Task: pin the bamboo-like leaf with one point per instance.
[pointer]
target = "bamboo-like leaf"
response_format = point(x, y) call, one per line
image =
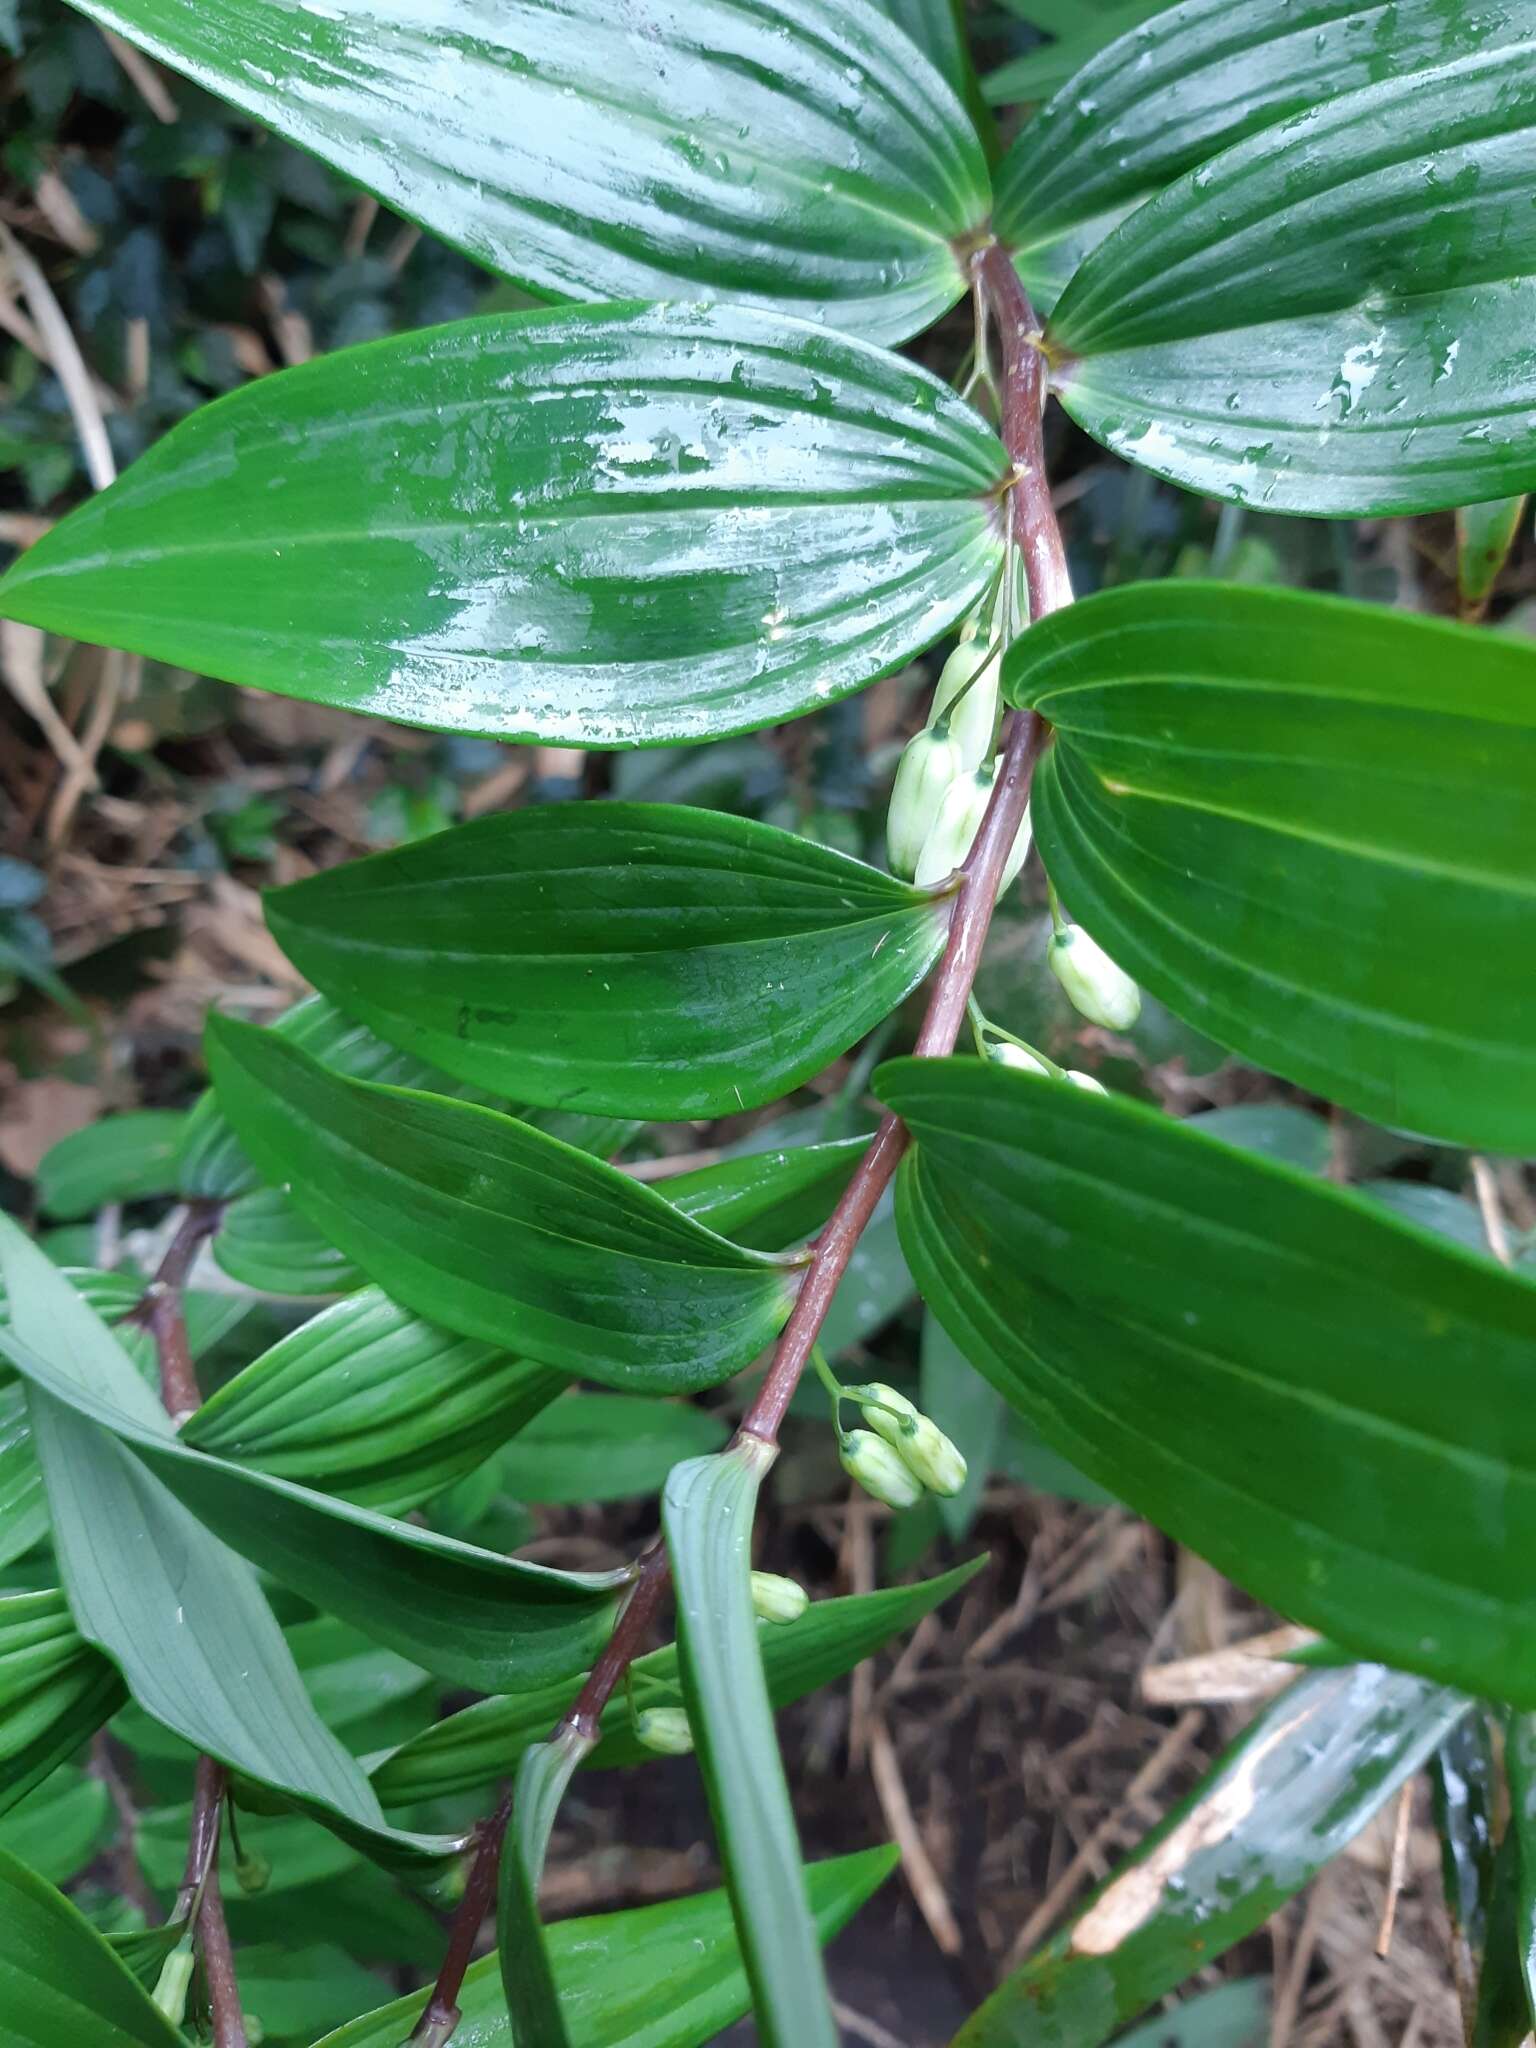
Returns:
point(371, 1402)
point(612, 1969)
point(181, 1617)
point(706, 1514)
point(663, 524)
point(1164, 97)
point(1330, 316)
point(60, 1983)
point(1520, 1879)
point(1281, 1803)
point(596, 1447)
point(118, 1160)
point(1466, 1794)
point(492, 1229)
point(527, 1976)
point(55, 1690)
point(768, 1199)
point(1484, 536)
point(1253, 1359)
point(652, 959)
point(466, 1614)
point(1305, 826)
point(472, 1749)
point(60, 1826)
point(1077, 36)
point(789, 152)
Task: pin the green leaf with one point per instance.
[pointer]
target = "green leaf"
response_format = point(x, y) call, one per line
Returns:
point(608, 1969)
point(1331, 316)
point(469, 1615)
point(472, 1749)
point(487, 1226)
point(1304, 825)
point(527, 1976)
point(266, 1242)
point(1254, 1360)
point(1484, 536)
point(55, 1690)
point(116, 1161)
point(1159, 100)
point(1041, 72)
point(297, 1991)
point(706, 1516)
point(60, 1984)
point(1232, 2015)
point(644, 958)
point(791, 153)
point(970, 1413)
point(768, 1199)
point(368, 1401)
point(1520, 1904)
point(58, 1828)
point(1503, 2013)
point(652, 524)
point(1275, 1130)
point(1283, 1802)
point(596, 1447)
point(181, 1617)
point(1466, 1797)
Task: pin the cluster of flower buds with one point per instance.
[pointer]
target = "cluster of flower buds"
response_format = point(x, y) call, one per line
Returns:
point(902, 1454)
point(1008, 1055)
point(944, 781)
point(1104, 993)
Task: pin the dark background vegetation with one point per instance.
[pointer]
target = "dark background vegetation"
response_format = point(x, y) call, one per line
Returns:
point(1023, 1738)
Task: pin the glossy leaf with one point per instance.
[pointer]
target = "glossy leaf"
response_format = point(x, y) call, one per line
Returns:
point(1484, 536)
point(1463, 1775)
point(472, 1749)
point(118, 1160)
point(608, 1969)
point(652, 523)
point(792, 152)
point(970, 1413)
point(1503, 2014)
point(60, 1984)
point(1254, 1360)
point(527, 1976)
point(55, 1690)
point(266, 1242)
point(1167, 94)
point(1282, 1803)
point(1305, 826)
point(467, 1614)
point(1330, 316)
point(770, 1199)
point(706, 1516)
point(1520, 1881)
point(181, 1617)
point(1230, 2015)
point(1077, 35)
point(597, 1447)
point(490, 1228)
point(646, 958)
point(58, 1828)
point(368, 1401)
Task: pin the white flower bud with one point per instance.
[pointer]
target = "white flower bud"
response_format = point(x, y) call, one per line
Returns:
point(954, 826)
point(971, 707)
point(664, 1729)
point(1016, 1056)
point(870, 1460)
point(929, 764)
point(891, 1427)
point(1103, 992)
point(776, 1599)
point(933, 1458)
point(173, 1983)
point(1082, 1080)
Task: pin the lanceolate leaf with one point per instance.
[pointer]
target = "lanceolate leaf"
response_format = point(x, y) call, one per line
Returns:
point(1484, 536)
point(60, 1984)
point(792, 152)
point(1520, 1767)
point(610, 527)
point(768, 1199)
point(181, 1617)
point(706, 1513)
point(652, 959)
point(1331, 316)
point(467, 1614)
point(474, 1748)
point(368, 1401)
point(1305, 826)
point(1164, 96)
point(612, 1970)
point(55, 1690)
point(1283, 1802)
point(595, 1447)
point(59, 1828)
point(494, 1230)
point(265, 1241)
point(1254, 1360)
point(1077, 35)
point(527, 1978)
point(114, 1161)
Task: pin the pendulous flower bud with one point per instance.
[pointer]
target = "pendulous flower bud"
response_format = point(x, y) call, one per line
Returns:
point(929, 764)
point(879, 1470)
point(174, 1982)
point(954, 826)
point(253, 1872)
point(916, 1438)
point(1082, 1080)
point(1016, 1056)
point(777, 1599)
point(1103, 992)
point(969, 705)
point(664, 1729)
